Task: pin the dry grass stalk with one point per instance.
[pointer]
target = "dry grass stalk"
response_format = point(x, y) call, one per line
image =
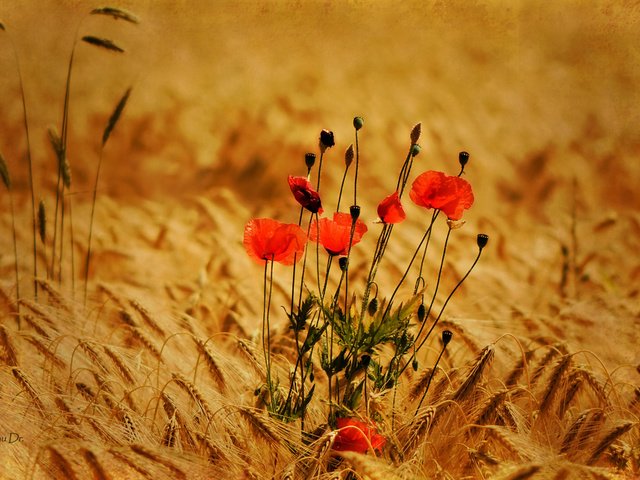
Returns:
point(554, 383)
point(8, 352)
point(156, 457)
point(608, 439)
point(121, 366)
point(26, 385)
point(97, 470)
point(212, 364)
point(102, 43)
point(483, 360)
point(146, 316)
point(60, 464)
point(195, 394)
point(248, 349)
point(116, 13)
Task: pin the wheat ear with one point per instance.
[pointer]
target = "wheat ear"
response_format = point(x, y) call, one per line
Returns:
point(608, 439)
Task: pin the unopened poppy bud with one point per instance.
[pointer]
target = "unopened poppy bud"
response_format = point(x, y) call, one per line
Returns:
point(310, 159)
point(415, 133)
point(355, 212)
point(463, 158)
point(415, 149)
point(326, 140)
point(482, 240)
point(358, 122)
point(344, 263)
point(373, 307)
point(414, 364)
point(312, 377)
point(365, 360)
point(422, 311)
point(348, 156)
point(446, 337)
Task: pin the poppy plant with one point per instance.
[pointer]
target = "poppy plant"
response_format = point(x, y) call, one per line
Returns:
point(268, 239)
point(356, 436)
point(390, 209)
point(305, 195)
point(335, 234)
point(451, 195)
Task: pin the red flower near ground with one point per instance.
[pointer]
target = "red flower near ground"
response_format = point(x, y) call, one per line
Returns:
point(335, 234)
point(356, 436)
point(390, 209)
point(305, 195)
point(267, 239)
point(451, 195)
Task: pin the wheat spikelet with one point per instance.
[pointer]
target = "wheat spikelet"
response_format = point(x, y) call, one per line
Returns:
point(369, 467)
point(93, 355)
point(562, 474)
point(411, 434)
point(170, 433)
point(262, 425)
point(61, 464)
point(593, 382)
point(504, 438)
point(122, 368)
point(128, 461)
point(4, 172)
point(289, 473)
point(488, 409)
point(102, 43)
point(195, 394)
point(544, 361)
point(117, 112)
point(574, 385)
point(41, 313)
point(8, 352)
point(54, 296)
point(248, 349)
point(443, 384)
point(111, 295)
point(24, 382)
point(320, 454)
point(554, 383)
point(608, 439)
point(214, 453)
point(127, 318)
point(212, 363)
point(31, 321)
point(420, 384)
point(523, 472)
point(172, 411)
point(139, 334)
point(519, 368)
point(44, 350)
point(106, 436)
point(483, 360)
point(572, 432)
point(116, 14)
point(146, 316)
point(589, 428)
point(98, 472)
point(157, 458)
point(69, 416)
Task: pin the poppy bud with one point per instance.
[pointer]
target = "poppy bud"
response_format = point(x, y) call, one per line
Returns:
point(358, 122)
point(355, 212)
point(310, 159)
point(415, 133)
point(344, 263)
point(326, 139)
point(446, 337)
point(414, 364)
point(482, 240)
point(312, 377)
point(463, 158)
point(415, 149)
point(373, 307)
point(422, 311)
point(348, 156)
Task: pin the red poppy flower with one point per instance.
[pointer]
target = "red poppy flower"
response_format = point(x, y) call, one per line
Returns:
point(267, 239)
point(451, 195)
point(305, 194)
point(390, 209)
point(335, 234)
point(356, 436)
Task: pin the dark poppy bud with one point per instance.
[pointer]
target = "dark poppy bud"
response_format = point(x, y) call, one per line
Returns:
point(326, 139)
point(365, 360)
point(373, 307)
point(414, 364)
point(358, 122)
point(343, 262)
point(310, 159)
point(463, 158)
point(482, 240)
point(446, 337)
point(312, 377)
point(348, 156)
point(422, 311)
point(415, 149)
point(355, 212)
point(415, 133)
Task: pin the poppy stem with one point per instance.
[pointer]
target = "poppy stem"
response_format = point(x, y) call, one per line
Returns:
point(266, 327)
point(424, 253)
point(355, 180)
point(344, 177)
point(433, 371)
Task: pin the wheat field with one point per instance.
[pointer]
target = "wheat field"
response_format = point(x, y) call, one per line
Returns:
point(159, 373)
